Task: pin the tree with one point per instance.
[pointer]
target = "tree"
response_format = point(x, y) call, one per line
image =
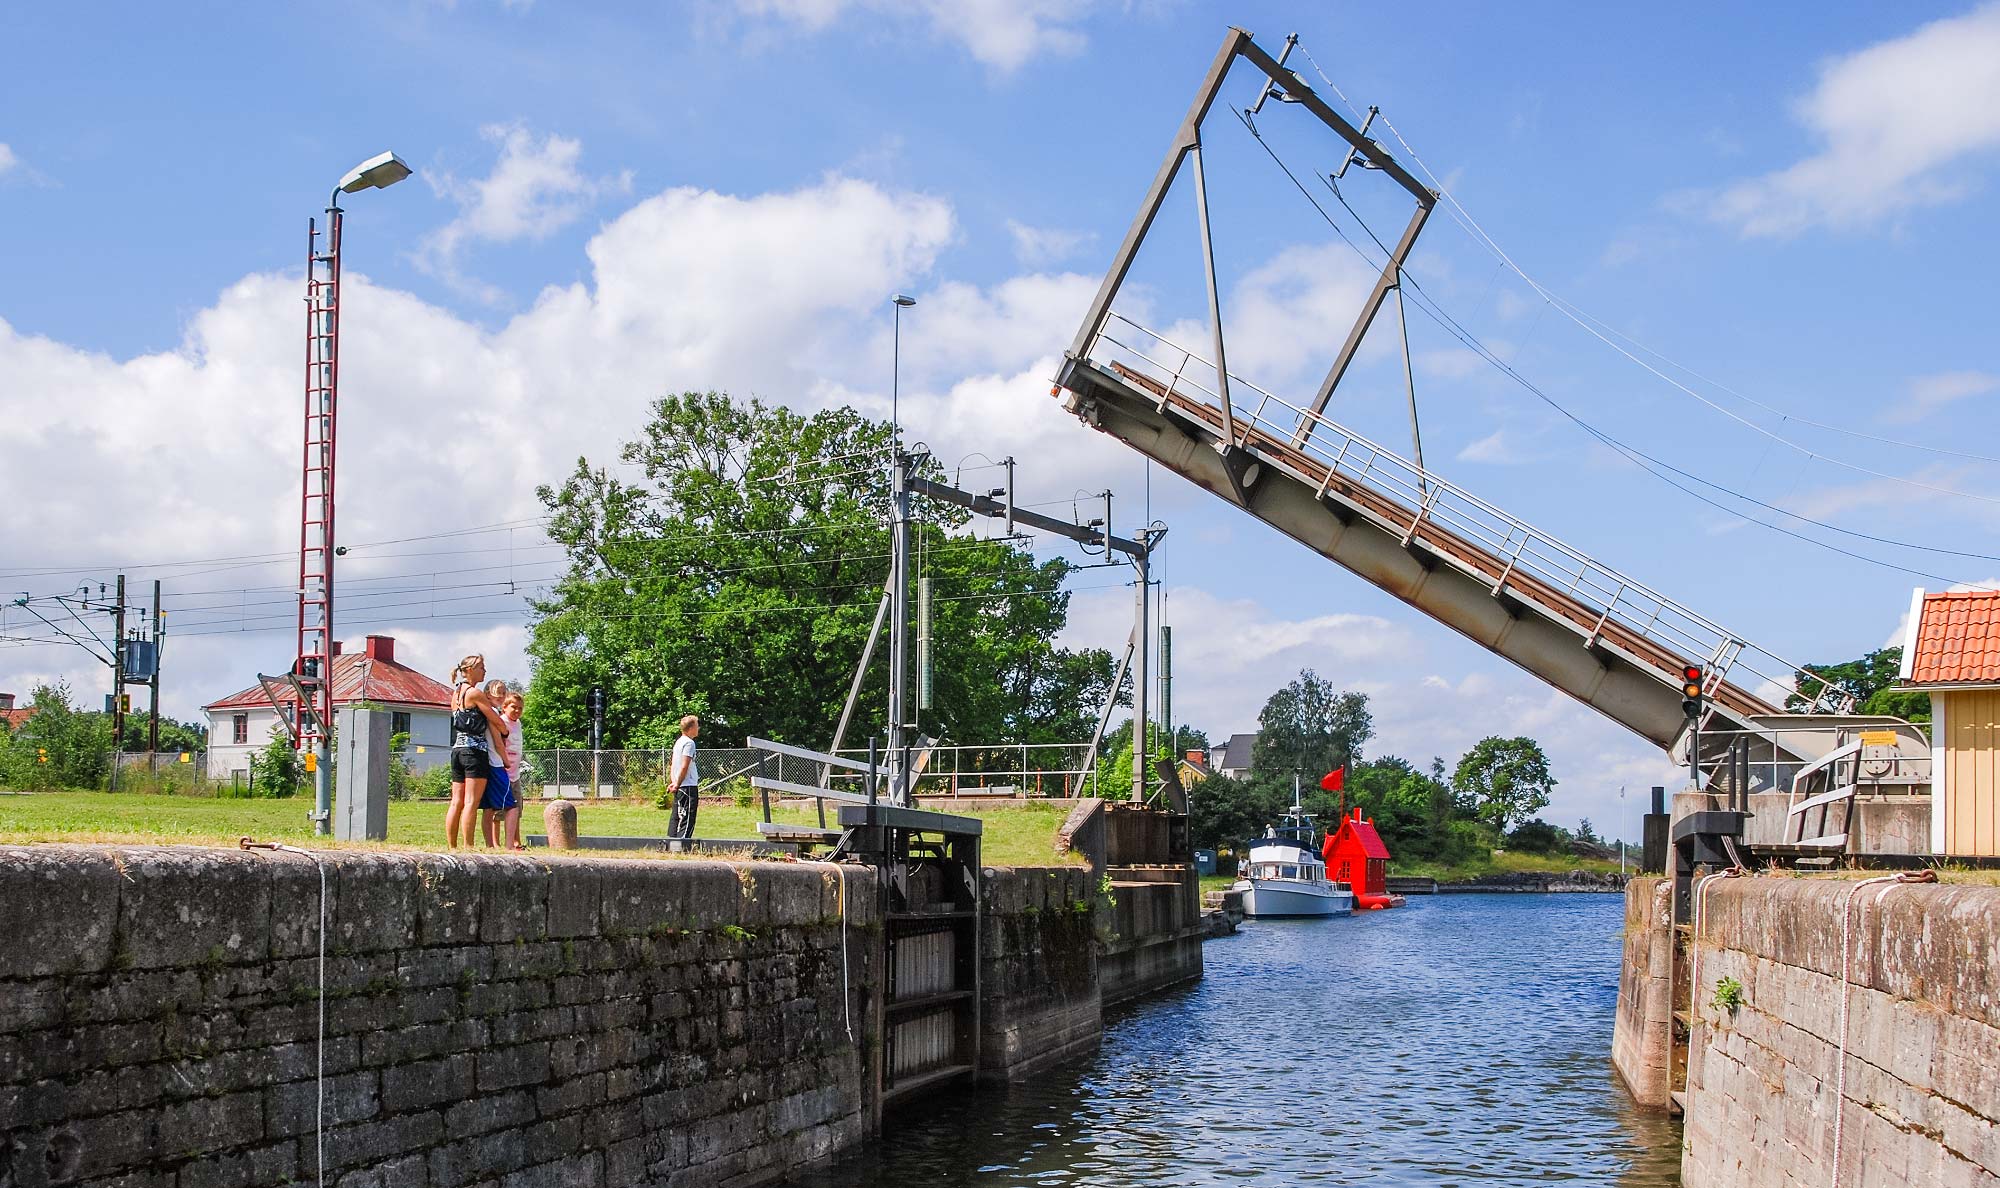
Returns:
point(737, 577)
point(59, 745)
point(1587, 833)
point(1225, 812)
point(174, 735)
point(1309, 727)
point(1870, 680)
point(1507, 777)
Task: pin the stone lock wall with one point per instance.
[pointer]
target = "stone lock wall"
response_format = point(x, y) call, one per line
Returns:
point(489, 1020)
point(1038, 969)
point(1642, 1036)
point(1921, 1101)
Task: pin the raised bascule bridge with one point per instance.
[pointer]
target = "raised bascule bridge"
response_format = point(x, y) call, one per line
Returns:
point(1602, 637)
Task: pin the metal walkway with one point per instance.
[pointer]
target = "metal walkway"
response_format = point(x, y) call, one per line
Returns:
point(1605, 639)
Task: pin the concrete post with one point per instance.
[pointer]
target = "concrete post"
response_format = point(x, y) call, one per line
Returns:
point(361, 778)
point(559, 820)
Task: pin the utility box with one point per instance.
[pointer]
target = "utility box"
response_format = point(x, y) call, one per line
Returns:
point(361, 775)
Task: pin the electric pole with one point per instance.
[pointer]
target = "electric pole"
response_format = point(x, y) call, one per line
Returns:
point(118, 683)
point(153, 723)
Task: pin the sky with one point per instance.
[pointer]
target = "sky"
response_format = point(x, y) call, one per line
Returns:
point(1755, 245)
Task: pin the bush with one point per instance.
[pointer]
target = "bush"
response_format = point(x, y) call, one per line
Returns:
point(434, 784)
point(1539, 837)
point(402, 782)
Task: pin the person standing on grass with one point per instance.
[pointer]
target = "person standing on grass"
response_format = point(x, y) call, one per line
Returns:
point(510, 709)
point(473, 717)
point(499, 797)
point(685, 781)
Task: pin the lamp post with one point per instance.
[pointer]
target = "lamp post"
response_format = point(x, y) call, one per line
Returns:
point(901, 302)
point(314, 665)
point(899, 564)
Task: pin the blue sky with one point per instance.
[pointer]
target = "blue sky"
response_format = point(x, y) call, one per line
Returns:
point(1795, 202)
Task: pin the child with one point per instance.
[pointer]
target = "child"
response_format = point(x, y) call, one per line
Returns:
point(511, 710)
point(499, 796)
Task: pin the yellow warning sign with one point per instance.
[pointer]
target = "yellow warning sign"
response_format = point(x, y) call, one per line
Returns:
point(1878, 738)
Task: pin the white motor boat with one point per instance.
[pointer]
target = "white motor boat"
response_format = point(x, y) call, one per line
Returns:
point(1285, 875)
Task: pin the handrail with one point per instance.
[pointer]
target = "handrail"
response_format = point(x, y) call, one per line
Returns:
point(1632, 604)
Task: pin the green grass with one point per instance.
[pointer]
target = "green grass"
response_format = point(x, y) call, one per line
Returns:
point(1013, 836)
point(1504, 862)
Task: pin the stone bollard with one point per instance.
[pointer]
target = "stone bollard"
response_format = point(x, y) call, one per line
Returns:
point(559, 818)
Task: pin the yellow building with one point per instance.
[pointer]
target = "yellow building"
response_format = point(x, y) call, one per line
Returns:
point(1952, 652)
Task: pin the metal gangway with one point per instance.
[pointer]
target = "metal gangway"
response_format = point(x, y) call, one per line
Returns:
point(1606, 639)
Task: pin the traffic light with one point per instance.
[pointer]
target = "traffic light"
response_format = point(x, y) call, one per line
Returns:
point(1691, 690)
point(124, 703)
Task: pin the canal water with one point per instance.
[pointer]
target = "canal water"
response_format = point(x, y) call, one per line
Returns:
point(1462, 1040)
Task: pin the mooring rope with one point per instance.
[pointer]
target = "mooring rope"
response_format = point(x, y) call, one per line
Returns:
point(1840, 1068)
point(319, 1108)
point(1694, 940)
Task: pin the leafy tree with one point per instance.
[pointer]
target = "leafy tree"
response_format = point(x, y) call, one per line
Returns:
point(1508, 778)
point(1870, 680)
point(1309, 727)
point(401, 782)
point(174, 735)
point(737, 576)
point(1226, 812)
point(1585, 832)
point(77, 745)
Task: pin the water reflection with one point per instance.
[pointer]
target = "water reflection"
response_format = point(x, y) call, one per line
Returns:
point(1463, 1040)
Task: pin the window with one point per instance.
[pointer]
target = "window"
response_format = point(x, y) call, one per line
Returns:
point(399, 722)
point(239, 729)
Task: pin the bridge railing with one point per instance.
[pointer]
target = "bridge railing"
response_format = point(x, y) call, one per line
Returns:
point(1519, 547)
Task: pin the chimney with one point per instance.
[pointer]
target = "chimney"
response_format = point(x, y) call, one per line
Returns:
point(6, 701)
point(336, 647)
point(1196, 757)
point(383, 648)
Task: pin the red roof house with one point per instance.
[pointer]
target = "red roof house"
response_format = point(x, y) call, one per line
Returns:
point(1951, 650)
point(242, 722)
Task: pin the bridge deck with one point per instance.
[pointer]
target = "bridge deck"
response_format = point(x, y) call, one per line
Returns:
point(1429, 534)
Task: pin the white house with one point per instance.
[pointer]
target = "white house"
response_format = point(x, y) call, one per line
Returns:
point(1232, 758)
point(240, 725)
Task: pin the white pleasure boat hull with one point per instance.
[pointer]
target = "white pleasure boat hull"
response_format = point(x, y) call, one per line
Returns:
point(1283, 897)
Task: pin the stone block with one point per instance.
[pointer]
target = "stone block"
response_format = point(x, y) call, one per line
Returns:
point(62, 914)
point(193, 907)
point(375, 903)
point(450, 889)
point(205, 1124)
point(505, 1068)
point(369, 1143)
point(489, 1112)
point(575, 891)
point(427, 1083)
point(293, 1109)
point(514, 900)
point(252, 1168)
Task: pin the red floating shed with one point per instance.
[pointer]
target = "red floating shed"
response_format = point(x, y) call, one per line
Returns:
point(1356, 856)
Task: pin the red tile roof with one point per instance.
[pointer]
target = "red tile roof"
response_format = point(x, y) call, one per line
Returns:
point(1957, 639)
point(16, 718)
point(357, 676)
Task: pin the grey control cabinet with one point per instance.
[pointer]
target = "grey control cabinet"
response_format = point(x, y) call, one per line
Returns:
point(361, 775)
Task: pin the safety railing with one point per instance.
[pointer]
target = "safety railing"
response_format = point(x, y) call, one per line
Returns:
point(1516, 546)
point(1002, 769)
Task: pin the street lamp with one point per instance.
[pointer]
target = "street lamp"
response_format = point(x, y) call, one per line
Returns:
point(901, 303)
point(316, 536)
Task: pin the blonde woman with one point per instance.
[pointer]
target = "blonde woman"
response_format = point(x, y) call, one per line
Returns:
point(501, 802)
point(474, 718)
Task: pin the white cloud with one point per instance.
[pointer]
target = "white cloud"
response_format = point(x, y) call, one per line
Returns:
point(1894, 120)
point(1002, 34)
point(1502, 447)
point(534, 190)
point(1039, 247)
point(8, 161)
point(1928, 393)
point(445, 424)
point(1449, 363)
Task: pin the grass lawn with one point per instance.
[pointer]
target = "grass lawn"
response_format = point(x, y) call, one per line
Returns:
point(1023, 836)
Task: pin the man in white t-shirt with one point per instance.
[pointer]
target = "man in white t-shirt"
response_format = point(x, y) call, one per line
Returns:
point(685, 780)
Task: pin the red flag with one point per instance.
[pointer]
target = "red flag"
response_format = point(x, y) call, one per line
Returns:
point(1334, 780)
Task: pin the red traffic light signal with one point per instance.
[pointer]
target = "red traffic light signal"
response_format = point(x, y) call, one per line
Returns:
point(1691, 681)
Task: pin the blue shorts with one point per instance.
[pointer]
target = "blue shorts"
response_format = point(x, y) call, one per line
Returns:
point(499, 792)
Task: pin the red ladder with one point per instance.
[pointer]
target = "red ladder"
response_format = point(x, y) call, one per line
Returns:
point(314, 665)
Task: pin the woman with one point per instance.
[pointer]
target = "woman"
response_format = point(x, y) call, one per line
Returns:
point(473, 719)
